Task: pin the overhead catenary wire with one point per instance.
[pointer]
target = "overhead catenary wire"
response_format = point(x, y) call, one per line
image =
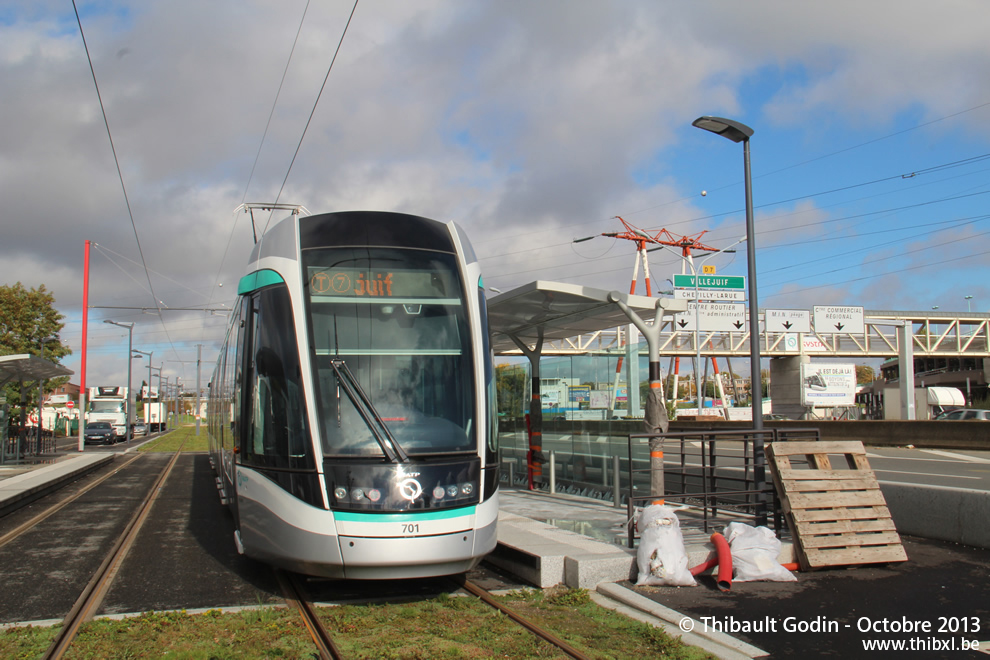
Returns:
point(763, 232)
point(312, 112)
point(793, 166)
point(120, 175)
point(261, 145)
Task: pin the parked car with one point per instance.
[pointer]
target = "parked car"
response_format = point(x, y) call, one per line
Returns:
point(965, 413)
point(100, 433)
point(139, 429)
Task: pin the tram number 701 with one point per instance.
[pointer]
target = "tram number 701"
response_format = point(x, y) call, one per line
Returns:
point(410, 528)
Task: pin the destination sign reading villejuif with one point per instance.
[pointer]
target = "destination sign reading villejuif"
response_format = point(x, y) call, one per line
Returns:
point(710, 282)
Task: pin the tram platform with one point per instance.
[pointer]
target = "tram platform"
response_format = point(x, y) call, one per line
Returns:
point(581, 542)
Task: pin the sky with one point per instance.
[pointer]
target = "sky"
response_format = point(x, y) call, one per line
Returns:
point(530, 123)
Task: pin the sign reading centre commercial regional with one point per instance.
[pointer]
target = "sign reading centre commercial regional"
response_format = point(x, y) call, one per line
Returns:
point(847, 320)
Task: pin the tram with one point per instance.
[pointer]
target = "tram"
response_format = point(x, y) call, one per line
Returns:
point(351, 412)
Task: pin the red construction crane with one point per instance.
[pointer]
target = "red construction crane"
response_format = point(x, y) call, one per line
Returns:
point(662, 237)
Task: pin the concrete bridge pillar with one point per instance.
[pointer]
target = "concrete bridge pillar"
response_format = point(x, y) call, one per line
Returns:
point(785, 386)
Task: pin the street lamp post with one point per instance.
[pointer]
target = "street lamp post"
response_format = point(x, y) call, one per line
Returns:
point(148, 353)
point(130, 394)
point(969, 304)
point(738, 132)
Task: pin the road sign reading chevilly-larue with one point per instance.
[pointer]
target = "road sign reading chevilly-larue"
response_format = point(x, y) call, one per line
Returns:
point(710, 282)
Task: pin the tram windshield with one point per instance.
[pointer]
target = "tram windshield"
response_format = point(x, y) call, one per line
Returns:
point(397, 320)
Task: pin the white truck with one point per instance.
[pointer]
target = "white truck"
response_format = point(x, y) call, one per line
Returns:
point(928, 401)
point(154, 416)
point(154, 411)
point(108, 403)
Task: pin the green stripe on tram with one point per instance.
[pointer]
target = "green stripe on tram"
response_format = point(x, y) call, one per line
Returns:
point(258, 279)
point(403, 517)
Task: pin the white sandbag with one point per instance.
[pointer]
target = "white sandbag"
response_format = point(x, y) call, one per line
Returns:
point(661, 556)
point(754, 554)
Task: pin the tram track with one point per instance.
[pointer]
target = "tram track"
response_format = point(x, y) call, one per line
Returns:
point(58, 506)
point(92, 595)
point(540, 632)
point(297, 598)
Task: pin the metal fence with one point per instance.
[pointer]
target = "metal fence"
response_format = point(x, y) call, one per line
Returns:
point(719, 472)
point(715, 471)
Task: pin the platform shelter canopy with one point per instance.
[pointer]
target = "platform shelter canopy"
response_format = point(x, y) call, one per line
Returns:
point(29, 367)
point(558, 310)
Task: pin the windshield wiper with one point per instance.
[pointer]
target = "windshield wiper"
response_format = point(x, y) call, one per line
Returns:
point(352, 388)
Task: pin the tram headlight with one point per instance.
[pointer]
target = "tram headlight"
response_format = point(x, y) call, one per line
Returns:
point(340, 492)
point(357, 494)
point(439, 492)
point(467, 489)
point(452, 491)
point(374, 494)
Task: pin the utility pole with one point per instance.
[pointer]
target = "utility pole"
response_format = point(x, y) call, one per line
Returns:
point(199, 364)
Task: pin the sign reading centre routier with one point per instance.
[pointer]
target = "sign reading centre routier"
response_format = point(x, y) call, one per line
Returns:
point(710, 282)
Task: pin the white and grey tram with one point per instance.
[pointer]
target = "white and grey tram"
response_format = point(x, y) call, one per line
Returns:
point(352, 414)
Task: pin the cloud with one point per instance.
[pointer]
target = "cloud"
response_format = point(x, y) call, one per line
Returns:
point(528, 123)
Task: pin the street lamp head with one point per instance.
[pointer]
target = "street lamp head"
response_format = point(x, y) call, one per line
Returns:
point(727, 128)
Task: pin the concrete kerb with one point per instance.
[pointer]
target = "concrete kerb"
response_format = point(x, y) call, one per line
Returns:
point(957, 515)
point(688, 629)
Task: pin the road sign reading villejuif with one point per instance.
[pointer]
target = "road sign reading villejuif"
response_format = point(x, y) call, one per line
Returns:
point(710, 282)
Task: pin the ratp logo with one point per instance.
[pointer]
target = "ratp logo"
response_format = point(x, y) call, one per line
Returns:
point(410, 489)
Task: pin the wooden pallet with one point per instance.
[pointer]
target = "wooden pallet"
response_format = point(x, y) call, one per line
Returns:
point(837, 517)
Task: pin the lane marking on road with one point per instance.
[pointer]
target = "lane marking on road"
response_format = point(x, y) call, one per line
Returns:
point(961, 457)
point(926, 474)
point(914, 458)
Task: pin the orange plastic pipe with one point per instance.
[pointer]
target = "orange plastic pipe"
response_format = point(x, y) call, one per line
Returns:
point(722, 559)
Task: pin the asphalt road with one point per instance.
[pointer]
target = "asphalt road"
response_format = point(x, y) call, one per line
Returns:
point(958, 469)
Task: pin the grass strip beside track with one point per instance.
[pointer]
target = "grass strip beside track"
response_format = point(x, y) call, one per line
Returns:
point(439, 628)
point(172, 440)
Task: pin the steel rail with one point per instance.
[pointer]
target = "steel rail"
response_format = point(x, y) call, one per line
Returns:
point(296, 597)
point(92, 595)
point(487, 598)
point(55, 508)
